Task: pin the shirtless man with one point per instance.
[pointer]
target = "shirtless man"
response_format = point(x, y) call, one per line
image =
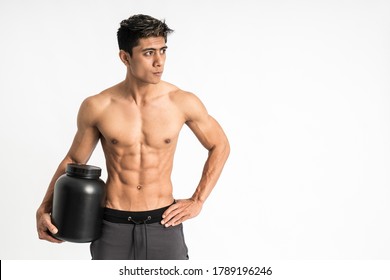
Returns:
point(138, 122)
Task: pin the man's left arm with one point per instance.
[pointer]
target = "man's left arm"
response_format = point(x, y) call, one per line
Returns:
point(213, 138)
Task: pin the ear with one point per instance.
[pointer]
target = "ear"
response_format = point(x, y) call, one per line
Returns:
point(125, 57)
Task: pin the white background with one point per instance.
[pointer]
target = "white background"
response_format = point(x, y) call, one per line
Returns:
point(301, 88)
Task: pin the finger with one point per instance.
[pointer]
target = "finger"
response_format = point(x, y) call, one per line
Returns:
point(173, 214)
point(169, 213)
point(52, 228)
point(180, 220)
point(53, 239)
point(170, 209)
point(176, 219)
point(46, 229)
point(48, 225)
point(45, 235)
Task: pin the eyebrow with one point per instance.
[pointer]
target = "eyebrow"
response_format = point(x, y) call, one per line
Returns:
point(154, 49)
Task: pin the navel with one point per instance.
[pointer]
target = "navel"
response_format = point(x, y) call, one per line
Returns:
point(139, 187)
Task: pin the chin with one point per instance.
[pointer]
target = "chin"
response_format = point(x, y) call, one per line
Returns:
point(154, 81)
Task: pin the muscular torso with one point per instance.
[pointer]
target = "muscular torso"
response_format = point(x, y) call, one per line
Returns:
point(139, 141)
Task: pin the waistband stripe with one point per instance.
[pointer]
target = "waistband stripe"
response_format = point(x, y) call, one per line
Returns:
point(134, 217)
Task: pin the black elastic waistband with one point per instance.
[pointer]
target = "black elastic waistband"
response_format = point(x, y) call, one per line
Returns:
point(134, 217)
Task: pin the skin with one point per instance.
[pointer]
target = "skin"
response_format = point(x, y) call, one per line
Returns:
point(138, 122)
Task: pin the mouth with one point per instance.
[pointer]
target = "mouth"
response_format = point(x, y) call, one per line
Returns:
point(157, 73)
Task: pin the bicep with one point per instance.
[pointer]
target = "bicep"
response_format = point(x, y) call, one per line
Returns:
point(208, 131)
point(204, 126)
point(83, 145)
point(87, 135)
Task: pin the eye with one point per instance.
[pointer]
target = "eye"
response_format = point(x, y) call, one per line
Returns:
point(148, 53)
point(163, 51)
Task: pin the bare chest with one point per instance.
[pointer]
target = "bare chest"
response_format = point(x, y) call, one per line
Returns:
point(155, 126)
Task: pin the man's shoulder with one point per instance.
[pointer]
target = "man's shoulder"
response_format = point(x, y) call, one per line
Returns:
point(187, 102)
point(177, 94)
point(96, 103)
point(102, 98)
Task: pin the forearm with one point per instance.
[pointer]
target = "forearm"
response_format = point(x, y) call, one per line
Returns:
point(211, 172)
point(46, 205)
point(45, 227)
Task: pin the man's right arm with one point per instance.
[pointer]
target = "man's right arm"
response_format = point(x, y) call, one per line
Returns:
point(85, 141)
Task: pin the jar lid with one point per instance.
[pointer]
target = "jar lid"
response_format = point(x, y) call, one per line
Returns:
point(83, 171)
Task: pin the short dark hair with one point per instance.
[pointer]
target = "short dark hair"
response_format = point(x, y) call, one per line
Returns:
point(137, 27)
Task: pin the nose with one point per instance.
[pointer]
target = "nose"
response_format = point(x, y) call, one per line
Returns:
point(158, 60)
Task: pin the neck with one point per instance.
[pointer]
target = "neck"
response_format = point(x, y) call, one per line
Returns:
point(138, 90)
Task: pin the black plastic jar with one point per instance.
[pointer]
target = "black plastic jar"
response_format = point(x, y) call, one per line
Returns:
point(78, 203)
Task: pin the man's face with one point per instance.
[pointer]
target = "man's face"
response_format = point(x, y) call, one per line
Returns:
point(147, 61)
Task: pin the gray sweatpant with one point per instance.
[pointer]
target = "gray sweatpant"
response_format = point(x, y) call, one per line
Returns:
point(138, 236)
